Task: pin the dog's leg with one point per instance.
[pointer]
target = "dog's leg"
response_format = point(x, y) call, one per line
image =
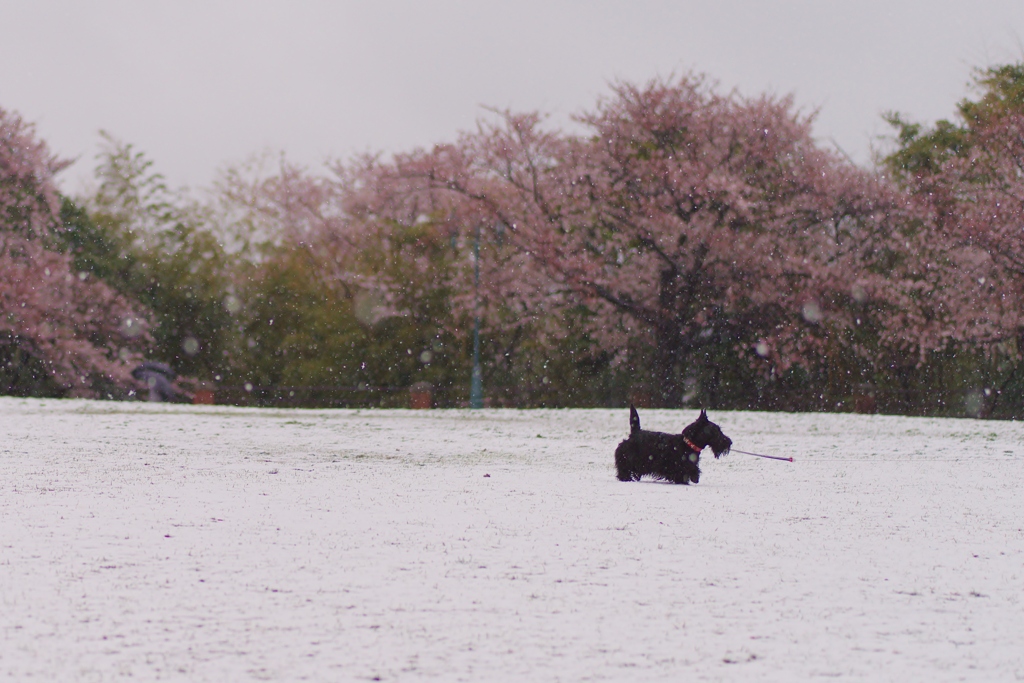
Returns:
point(621, 466)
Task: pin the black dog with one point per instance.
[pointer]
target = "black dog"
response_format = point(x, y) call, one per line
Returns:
point(668, 456)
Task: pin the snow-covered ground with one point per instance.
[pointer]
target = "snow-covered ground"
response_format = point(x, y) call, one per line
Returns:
point(215, 544)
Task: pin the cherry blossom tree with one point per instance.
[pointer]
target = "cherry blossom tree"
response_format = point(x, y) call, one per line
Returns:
point(685, 218)
point(76, 331)
point(326, 300)
point(967, 180)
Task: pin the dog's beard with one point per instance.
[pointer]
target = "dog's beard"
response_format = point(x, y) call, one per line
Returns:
point(721, 449)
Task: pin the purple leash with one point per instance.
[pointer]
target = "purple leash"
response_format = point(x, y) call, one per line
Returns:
point(761, 455)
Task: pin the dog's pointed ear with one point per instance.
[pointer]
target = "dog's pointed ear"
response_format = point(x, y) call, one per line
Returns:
point(703, 415)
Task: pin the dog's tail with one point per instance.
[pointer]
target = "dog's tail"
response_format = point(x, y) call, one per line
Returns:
point(634, 420)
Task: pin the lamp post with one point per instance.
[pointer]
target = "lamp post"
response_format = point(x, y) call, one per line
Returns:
point(476, 384)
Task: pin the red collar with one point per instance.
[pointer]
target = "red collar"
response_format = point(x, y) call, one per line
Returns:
point(695, 447)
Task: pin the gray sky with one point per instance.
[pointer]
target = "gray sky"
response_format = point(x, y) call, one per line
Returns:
point(201, 84)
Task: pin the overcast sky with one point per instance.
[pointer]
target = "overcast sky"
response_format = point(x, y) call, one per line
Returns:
point(198, 85)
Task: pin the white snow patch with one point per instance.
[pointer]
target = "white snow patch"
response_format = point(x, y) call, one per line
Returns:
point(217, 544)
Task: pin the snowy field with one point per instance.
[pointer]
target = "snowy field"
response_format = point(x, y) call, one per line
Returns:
point(214, 544)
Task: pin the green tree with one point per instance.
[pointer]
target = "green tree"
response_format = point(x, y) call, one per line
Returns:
point(155, 245)
point(311, 337)
point(921, 150)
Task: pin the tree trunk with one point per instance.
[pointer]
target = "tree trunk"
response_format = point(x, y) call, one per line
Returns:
point(666, 382)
